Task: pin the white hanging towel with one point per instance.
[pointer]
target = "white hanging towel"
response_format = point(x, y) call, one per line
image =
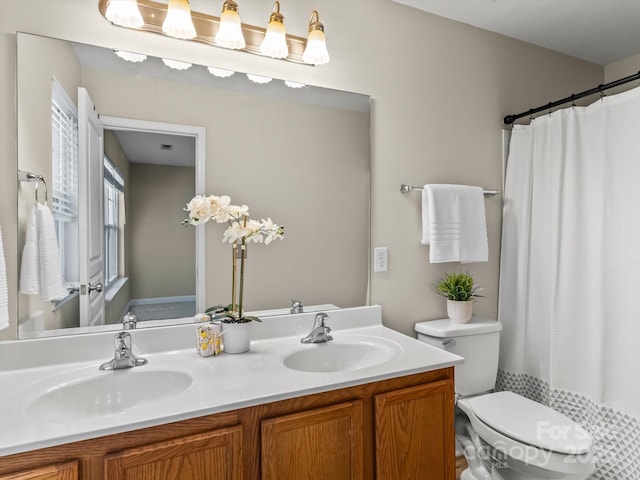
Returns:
point(30, 266)
point(454, 223)
point(51, 281)
point(4, 292)
point(41, 267)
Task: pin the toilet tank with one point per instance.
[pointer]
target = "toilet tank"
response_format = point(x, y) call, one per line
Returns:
point(478, 341)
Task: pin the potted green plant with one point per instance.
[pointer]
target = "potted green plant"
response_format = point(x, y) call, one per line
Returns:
point(240, 231)
point(460, 291)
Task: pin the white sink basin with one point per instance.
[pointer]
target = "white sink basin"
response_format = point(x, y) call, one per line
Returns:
point(341, 356)
point(107, 393)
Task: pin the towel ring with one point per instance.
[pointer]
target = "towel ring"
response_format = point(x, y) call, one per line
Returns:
point(39, 179)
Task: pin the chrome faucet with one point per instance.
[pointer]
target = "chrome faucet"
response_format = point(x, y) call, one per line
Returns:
point(130, 321)
point(123, 357)
point(296, 306)
point(320, 332)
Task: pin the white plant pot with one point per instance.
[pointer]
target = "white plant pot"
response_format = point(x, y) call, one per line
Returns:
point(459, 312)
point(235, 337)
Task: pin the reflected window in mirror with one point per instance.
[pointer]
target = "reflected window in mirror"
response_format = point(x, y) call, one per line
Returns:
point(64, 194)
point(114, 220)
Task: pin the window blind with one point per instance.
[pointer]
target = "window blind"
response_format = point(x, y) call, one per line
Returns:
point(64, 115)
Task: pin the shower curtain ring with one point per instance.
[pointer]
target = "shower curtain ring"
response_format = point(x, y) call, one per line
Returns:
point(601, 90)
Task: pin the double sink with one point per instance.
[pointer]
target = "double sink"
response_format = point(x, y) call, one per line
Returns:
point(105, 393)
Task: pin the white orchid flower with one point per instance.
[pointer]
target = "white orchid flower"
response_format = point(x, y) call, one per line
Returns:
point(230, 213)
point(199, 210)
point(216, 204)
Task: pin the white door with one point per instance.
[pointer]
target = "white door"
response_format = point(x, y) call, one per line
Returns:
point(91, 214)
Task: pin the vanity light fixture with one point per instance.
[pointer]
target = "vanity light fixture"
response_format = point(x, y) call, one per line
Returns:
point(124, 13)
point(316, 52)
point(176, 64)
point(178, 22)
point(203, 28)
point(274, 43)
point(291, 84)
point(258, 78)
point(230, 31)
point(130, 56)
point(220, 72)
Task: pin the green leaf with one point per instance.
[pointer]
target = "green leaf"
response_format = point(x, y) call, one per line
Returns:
point(457, 286)
point(218, 309)
point(224, 316)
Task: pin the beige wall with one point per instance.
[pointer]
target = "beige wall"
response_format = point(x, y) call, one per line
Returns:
point(161, 259)
point(439, 89)
point(623, 68)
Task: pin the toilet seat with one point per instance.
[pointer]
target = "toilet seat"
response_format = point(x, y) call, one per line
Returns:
point(527, 454)
point(531, 423)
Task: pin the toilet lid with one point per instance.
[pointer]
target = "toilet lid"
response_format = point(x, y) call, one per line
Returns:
point(530, 422)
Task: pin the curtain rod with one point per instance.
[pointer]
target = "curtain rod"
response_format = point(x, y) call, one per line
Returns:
point(509, 119)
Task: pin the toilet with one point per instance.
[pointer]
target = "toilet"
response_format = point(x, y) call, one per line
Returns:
point(502, 435)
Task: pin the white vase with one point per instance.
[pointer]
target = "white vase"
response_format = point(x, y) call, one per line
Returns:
point(235, 337)
point(459, 312)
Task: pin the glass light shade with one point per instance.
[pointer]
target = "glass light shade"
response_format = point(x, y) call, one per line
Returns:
point(316, 52)
point(176, 64)
point(229, 33)
point(178, 21)
point(291, 84)
point(274, 44)
point(124, 13)
point(258, 78)
point(131, 56)
point(220, 72)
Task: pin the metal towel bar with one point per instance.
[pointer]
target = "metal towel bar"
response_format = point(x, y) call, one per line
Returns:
point(408, 188)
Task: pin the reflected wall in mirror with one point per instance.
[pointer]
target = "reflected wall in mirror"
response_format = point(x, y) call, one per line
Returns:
point(299, 156)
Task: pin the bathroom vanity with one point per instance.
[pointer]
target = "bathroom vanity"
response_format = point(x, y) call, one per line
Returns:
point(380, 406)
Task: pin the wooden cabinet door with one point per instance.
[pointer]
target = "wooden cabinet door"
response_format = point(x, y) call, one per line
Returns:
point(320, 444)
point(415, 433)
point(63, 471)
point(206, 456)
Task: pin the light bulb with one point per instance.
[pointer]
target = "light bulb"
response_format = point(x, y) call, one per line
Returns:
point(178, 21)
point(229, 33)
point(316, 53)
point(258, 78)
point(274, 43)
point(124, 13)
point(291, 84)
point(176, 64)
point(131, 56)
point(220, 72)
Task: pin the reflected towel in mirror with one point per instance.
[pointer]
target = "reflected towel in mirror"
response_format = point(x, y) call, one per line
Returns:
point(41, 268)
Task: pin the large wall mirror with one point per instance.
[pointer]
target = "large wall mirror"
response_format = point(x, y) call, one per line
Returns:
point(295, 153)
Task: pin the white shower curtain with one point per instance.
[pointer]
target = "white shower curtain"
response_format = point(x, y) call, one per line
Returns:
point(570, 272)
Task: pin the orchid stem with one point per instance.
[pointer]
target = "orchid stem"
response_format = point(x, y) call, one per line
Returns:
point(233, 278)
point(242, 255)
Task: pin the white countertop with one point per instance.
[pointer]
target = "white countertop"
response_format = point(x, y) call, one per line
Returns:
point(222, 383)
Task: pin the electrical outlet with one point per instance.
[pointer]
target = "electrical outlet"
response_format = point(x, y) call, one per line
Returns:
point(380, 259)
